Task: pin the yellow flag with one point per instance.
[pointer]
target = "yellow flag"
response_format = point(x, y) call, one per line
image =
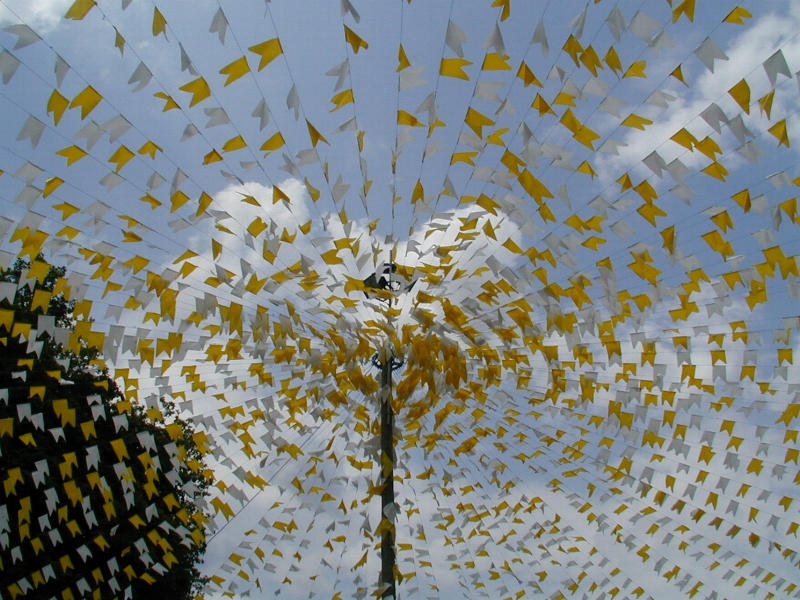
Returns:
point(708, 147)
point(356, 43)
point(199, 90)
point(723, 221)
point(668, 236)
point(737, 16)
point(677, 73)
point(72, 154)
point(564, 99)
point(121, 157)
point(273, 143)
point(780, 133)
point(312, 191)
point(341, 99)
point(535, 188)
point(330, 257)
point(465, 157)
point(268, 51)
point(203, 203)
point(79, 9)
point(506, 6)
point(512, 246)
point(66, 209)
point(87, 100)
point(169, 103)
point(402, 59)
point(150, 148)
point(636, 69)
point(256, 227)
point(716, 170)
point(741, 93)
point(57, 104)
point(177, 200)
point(590, 60)
point(685, 139)
point(488, 204)
point(405, 118)
point(149, 199)
point(686, 7)
point(612, 59)
point(570, 121)
point(315, 135)
point(41, 299)
point(119, 448)
point(159, 23)
point(119, 41)
point(541, 105)
point(235, 143)
point(278, 194)
point(527, 76)
point(765, 103)
point(454, 67)
point(650, 212)
point(212, 157)
point(719, 244)
point(586, 136)
point(495, 137)
point(635, 121)
point(646, 191)
point(495, 62)
point(51, 185)
point(477, 121)
point(235, 70)
point(418, 193)
point(137, 263)
point(586, 169)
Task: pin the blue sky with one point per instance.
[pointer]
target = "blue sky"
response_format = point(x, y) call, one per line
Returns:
point(578, 461)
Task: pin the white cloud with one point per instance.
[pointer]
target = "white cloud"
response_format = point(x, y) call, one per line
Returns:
point(746, 53)
point(42, 15)
point(230, 199)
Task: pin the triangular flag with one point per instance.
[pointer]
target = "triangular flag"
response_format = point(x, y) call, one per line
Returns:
point(454, 67)
point(86, 100)
point(402, 59)
point(741, 93)
point(708, 52)
point(775, 65)
point(235, 70)
point(79, 9)
point(268, 51)
point(315, 135)
point(454, 38)
point(219, 25)
point(199, 90)
point(356, 43)
point(159, 23)
point(779, 130)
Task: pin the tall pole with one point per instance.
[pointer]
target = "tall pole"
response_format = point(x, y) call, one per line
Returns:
point(387, 469)
point(387, 363)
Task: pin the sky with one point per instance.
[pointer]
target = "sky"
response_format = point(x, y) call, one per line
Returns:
point(596, 202)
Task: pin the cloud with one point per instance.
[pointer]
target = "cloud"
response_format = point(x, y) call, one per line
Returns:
point(230, 198)
point(749, 50)
point(746, 53)
point(42, 15)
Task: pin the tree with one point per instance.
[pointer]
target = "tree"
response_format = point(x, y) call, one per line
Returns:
point(100, 497)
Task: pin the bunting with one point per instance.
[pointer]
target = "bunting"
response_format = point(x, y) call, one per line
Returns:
point(590, 215)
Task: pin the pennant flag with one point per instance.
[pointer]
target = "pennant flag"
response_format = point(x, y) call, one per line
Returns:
point(409, 307)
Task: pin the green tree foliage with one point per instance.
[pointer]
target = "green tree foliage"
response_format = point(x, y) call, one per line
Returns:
point(100, 498)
